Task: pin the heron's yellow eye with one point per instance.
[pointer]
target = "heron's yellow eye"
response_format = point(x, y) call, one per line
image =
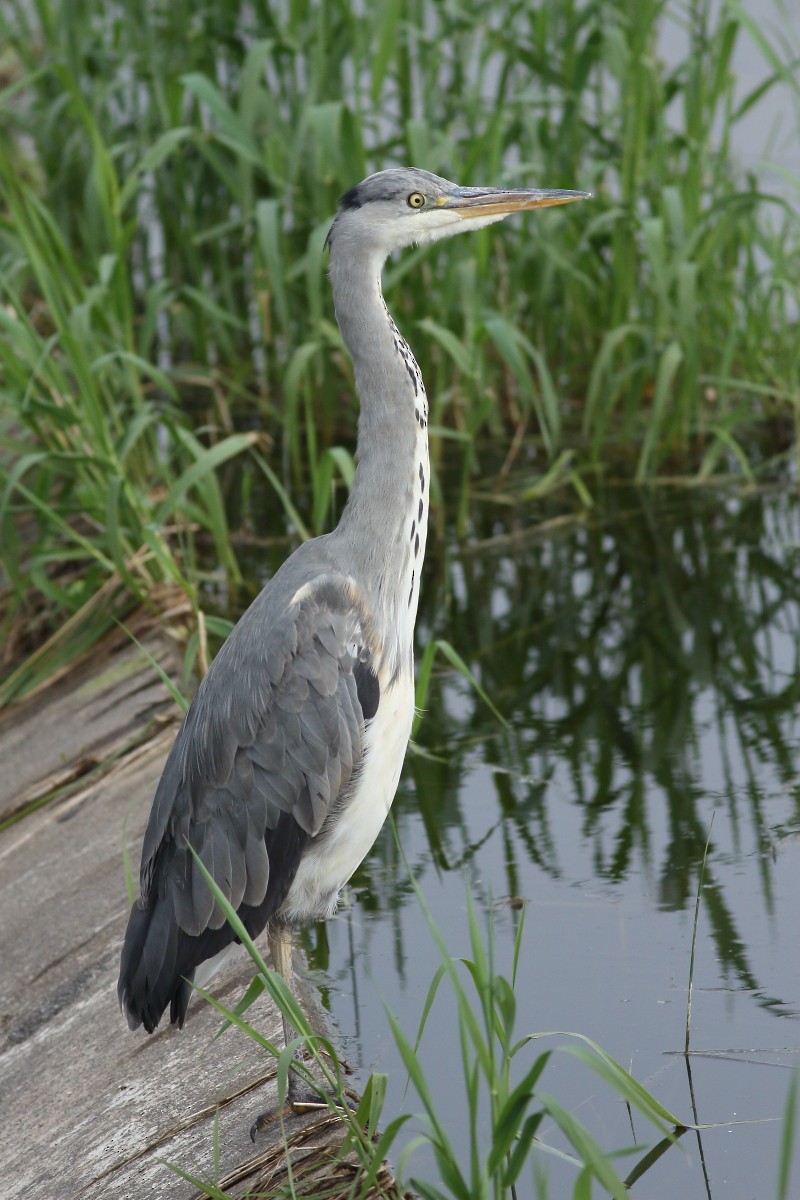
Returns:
point(416, 200)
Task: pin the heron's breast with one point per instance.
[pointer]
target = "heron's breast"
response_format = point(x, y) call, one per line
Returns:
point(331, 859)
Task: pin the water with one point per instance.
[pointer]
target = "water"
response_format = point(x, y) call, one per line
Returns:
point(647, 663)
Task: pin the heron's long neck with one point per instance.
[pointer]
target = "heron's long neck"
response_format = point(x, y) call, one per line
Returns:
point(384, 525)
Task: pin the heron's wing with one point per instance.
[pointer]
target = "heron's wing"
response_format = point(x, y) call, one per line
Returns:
point(269, 744)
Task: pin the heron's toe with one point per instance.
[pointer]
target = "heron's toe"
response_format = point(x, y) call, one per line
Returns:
point(302, 1103)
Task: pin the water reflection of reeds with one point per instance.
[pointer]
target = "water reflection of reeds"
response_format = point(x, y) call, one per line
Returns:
point(647, 663)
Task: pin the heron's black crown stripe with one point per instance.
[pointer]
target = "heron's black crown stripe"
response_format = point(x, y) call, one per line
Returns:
point(351, 199)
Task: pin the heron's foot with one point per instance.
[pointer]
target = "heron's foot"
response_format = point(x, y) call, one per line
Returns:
point(300, 1104)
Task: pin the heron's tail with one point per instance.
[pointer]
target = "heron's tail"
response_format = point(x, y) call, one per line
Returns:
point(158, 964)
point(159, 958)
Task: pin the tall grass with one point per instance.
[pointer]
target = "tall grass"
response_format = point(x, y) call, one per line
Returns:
point(168, 174)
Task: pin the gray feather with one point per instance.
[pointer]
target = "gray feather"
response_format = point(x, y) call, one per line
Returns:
point(181, 889)
point(202, 896)
point(216, 857)
point(292, 695)
point(282, 734)
point(256, 869)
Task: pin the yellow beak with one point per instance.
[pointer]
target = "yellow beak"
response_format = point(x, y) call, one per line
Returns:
point(489, 202)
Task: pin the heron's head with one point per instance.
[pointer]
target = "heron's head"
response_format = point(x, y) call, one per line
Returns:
point(406, 205)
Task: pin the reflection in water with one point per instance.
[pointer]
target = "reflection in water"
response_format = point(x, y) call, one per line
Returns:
point(646, 661)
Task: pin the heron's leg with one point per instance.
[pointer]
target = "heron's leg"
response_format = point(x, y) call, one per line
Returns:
point(300, 1098)
point(280, 947)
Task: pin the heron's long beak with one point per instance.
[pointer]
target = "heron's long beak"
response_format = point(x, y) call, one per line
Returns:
point(491, 202)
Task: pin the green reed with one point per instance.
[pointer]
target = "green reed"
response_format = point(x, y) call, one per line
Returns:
point(501, 1070)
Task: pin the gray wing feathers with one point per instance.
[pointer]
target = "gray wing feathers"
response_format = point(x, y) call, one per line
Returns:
point(283, 734)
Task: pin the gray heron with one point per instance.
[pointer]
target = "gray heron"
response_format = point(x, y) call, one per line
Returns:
point(287, 761)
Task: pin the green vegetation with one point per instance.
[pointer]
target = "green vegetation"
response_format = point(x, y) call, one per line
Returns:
point(168, 173)
point(506, 1104)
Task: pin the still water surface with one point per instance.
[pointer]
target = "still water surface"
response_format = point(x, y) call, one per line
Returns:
point(646, 660)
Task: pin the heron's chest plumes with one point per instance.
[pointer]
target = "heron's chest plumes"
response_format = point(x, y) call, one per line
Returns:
point(414, 529)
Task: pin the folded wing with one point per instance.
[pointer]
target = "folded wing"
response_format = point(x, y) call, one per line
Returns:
point(268, 747)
